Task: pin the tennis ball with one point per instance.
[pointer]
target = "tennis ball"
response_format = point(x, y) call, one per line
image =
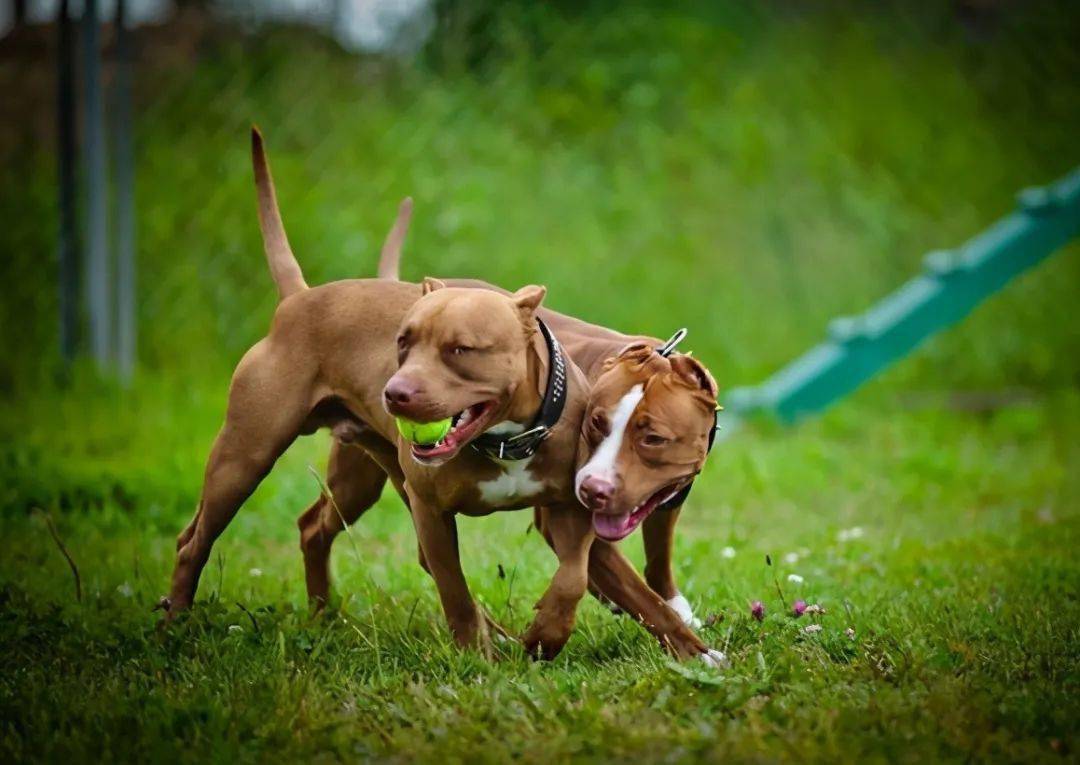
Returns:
point(423, 433)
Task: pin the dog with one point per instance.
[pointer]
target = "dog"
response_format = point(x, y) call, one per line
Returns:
point(632, 478)
point(354, 354)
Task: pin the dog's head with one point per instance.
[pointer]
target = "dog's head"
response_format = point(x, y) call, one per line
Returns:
point(462, 354)
point(645, 434)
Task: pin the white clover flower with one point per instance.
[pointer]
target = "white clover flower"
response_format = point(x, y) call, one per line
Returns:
point(727, 552)
point(255, 572)
point(125, 590)
point(846, 535)
point(791, 557)
point(234, 628)
point(795, 579)
point(810, 629)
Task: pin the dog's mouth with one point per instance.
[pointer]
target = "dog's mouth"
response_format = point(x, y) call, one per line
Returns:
point(465, 425)
point(612, 527)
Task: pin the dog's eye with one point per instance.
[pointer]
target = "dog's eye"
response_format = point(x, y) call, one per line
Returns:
point(600, 424)
point(655, 439)
point(461, 350)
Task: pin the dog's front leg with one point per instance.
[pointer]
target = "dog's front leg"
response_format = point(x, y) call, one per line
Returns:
point(436, 531)
point(658, 533)
point(494, 629)
point(616, 577)
point(571, 534)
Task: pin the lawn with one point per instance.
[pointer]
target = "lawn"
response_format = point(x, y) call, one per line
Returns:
point(949, 632)
point(746, 170)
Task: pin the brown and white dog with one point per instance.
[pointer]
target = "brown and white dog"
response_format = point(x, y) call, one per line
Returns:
point(646, 434)
point(648, 427)
point(349, 355)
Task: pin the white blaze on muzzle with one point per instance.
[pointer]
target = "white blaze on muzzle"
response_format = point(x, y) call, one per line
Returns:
point(602, 462)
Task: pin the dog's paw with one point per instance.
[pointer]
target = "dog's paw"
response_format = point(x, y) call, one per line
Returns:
point(680, 605)
point(543, 642)
point(715, 659)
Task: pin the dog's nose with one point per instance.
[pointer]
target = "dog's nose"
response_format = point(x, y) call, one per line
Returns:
point(400, 392)
point(597, 492)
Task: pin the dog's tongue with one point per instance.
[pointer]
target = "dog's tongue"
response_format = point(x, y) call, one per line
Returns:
point(611, 526)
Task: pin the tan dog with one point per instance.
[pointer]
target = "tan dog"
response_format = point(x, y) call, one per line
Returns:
point(348, 354)
point(648, 427)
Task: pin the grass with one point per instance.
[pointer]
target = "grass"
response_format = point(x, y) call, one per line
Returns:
point(961, 594)
point(745, 169)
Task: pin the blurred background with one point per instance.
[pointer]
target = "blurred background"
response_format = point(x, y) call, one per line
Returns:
point(750, 169)
point(747, 169)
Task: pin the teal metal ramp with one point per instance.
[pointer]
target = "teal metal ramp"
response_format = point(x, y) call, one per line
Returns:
point(953, 282)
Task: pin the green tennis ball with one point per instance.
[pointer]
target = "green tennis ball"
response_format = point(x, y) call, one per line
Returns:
point(423, 433)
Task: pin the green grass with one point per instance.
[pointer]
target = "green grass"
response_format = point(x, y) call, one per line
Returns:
point(962, 594)
point(748, 170)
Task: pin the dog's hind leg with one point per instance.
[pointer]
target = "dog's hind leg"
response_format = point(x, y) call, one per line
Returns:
point(356, 482)
point(267, 408)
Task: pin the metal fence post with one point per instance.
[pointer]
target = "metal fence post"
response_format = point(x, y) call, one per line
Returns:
point(97, 272)
point(68, 244)
point(125, 199)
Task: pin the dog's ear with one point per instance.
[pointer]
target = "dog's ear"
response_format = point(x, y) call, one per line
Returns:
point(636, 353)
point(430, 284)
point(694, 374)
point(529, 298)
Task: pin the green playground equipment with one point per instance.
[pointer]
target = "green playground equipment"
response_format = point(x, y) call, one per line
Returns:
point(953, 282)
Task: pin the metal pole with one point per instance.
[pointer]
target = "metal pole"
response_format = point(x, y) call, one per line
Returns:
point(68, 281)
point(125, 199)
point(97, 235)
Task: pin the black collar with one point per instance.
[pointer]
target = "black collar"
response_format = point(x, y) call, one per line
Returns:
point(666, 350)
point(523, 445)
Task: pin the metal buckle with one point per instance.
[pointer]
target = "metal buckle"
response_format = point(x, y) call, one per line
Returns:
point(674, 340)
point(533, 436)
point(541, 429)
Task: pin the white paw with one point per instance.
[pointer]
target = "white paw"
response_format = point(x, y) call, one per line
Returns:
point(681, 606)
point(713, 658)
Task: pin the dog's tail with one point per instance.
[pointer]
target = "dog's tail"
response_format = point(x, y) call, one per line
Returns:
point(390, 257)
point(283, 265)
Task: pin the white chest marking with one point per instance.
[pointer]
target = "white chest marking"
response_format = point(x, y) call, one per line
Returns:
point(602, 463)
point(515, 482)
